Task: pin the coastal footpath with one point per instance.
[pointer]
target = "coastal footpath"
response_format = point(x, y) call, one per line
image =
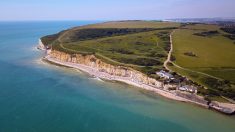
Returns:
point(97, 68)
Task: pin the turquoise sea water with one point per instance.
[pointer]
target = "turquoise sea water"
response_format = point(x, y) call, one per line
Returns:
point(38, 97)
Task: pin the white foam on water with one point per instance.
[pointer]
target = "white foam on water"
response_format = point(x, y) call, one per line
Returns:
point(97, 79)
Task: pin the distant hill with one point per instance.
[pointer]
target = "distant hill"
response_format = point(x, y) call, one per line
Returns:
point(204, 20)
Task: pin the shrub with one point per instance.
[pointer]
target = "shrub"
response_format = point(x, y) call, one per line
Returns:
point(149, 70)
point(155, 54)
point(122, 51)
point(230, 30)
point(140, 61)
point(190, 54)
point(172, 58)
point(207, 34)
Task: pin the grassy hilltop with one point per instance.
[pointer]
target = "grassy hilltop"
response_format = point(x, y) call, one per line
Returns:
point(142, 45)
point(204, 53)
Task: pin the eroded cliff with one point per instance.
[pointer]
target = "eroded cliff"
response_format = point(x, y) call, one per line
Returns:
point(94, 62)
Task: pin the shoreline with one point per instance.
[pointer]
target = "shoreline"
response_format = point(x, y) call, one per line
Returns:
point(225, 108)
point(105, 76)
point(41, 45)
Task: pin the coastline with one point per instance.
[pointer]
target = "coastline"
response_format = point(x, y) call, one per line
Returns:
point(41, 46)
point(105, 76)
point(225, 108)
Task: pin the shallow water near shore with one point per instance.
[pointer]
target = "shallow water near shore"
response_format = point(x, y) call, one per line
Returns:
point(40, 97)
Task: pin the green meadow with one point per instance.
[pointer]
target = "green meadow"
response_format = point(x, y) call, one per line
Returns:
point(213, 60)
point(142, 45)
point(203, 53)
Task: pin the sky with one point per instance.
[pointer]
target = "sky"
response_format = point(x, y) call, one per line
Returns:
point(114, 9)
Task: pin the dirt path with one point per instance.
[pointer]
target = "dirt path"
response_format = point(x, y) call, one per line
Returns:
point(170, 52)
point(169, 60)
point(202, 73)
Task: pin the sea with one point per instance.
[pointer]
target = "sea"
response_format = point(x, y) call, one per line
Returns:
point(39, 97)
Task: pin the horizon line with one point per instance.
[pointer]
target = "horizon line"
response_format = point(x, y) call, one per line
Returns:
point(117, 19)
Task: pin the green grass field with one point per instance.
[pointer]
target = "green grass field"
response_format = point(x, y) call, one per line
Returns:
point(142, 45)
point(214, 55)
point(203, 52)
point(132, 24)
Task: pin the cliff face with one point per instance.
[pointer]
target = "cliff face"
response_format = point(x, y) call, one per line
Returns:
point(41, 45)
point(92, 61)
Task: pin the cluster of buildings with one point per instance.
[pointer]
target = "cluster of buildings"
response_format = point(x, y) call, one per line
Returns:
point(184, 88)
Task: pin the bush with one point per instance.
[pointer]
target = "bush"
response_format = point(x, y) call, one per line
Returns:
point(122, 51)
point(149, 70)
point(155, 54)
point(140, 61)
point(230, 30)
point(190, 54)
point(219, 87)
point(207, 34)
point(172, 58)
point(49, 39)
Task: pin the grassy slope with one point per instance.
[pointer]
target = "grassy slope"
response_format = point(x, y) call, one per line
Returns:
point(139, 45)
point(215, 54)
point(143, 51)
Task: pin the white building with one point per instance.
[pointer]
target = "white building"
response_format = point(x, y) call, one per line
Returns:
point(165, 75)
point(188, 88)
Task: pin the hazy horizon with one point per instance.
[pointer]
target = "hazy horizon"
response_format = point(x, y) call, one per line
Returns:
point(51, 10)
